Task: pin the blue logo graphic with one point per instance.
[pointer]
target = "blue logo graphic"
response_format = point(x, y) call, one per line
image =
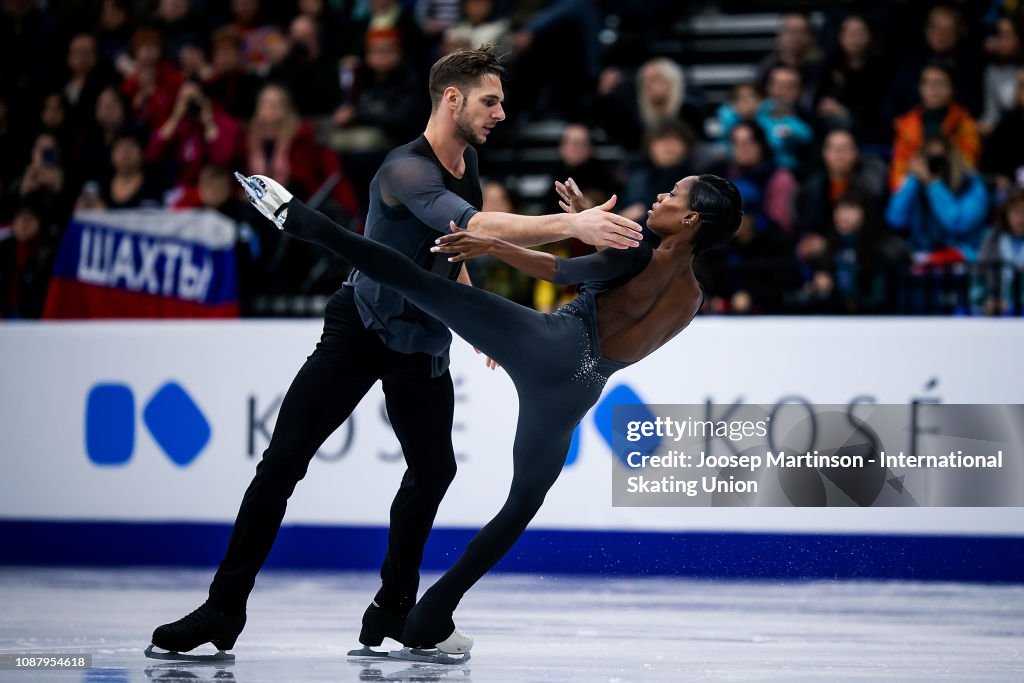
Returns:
point(171, 416)
point(110, 424)
point(635, 409)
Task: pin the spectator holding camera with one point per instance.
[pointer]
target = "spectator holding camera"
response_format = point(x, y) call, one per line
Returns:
point(44, 177)
point(937, 115)
point(941, 205)
point(197, 133)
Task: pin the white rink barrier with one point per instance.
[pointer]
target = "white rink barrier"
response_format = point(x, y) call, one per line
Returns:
point(155, 422)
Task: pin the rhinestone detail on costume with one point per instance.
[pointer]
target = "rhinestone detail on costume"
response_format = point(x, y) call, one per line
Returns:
point(586, 374)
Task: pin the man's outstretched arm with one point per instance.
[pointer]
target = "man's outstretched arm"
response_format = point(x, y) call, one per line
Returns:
point(597, 226)
point(418, 185)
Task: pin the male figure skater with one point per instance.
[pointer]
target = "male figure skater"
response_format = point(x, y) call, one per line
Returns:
point(373, 333)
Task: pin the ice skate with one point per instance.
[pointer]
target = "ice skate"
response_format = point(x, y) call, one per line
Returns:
point(268, 196)
point(204, 625)
point(378, 623)
point(452, 650)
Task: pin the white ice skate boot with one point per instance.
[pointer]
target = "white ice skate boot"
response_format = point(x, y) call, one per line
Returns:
point(267, 195)
point(456, 644)
point(452, 650)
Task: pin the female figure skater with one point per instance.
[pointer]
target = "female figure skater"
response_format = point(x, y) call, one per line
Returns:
point(631, 302)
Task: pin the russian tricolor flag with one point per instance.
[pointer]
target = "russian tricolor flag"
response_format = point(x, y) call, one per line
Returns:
point(138, 263)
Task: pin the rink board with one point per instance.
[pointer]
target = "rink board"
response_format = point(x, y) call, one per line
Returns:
point(132, 443)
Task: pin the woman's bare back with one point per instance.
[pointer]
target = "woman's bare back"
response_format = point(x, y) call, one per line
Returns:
point(638, 317)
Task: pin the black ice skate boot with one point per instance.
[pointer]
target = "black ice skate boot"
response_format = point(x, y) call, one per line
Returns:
point(378, 623)
point(204, 625)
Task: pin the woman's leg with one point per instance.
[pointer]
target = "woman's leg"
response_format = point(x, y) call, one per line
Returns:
point(489, 322)
point(546, 423)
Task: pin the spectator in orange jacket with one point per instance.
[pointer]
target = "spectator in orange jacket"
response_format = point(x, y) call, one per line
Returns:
point(937, 114)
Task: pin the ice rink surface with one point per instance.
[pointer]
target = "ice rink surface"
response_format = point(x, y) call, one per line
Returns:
point(534, 628)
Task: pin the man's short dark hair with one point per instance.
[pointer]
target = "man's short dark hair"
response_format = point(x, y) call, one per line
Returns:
point(462, 69)
point(720, 207)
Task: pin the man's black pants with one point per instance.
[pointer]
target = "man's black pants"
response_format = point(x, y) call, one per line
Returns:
point(347, 361)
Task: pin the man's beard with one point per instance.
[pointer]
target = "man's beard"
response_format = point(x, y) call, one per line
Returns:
point(463, 130)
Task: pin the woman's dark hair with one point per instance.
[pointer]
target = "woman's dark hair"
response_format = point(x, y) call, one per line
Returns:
point(720, 207)
point(462, 69)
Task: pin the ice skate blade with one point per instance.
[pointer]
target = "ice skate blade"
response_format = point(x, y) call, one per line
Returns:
point(221, 657)
point(256, 189)
point(432, 656)
point(367, 651)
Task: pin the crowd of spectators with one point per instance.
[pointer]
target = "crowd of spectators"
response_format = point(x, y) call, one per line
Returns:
point(879, 147)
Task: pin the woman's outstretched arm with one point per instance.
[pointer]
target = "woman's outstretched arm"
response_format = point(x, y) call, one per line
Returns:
point(604, 265)
point(465, 244)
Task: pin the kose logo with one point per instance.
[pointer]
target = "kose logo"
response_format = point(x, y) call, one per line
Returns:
point(171, 416)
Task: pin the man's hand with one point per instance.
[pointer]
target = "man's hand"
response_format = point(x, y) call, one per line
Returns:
point(602, 228)
point(572, 200)
point(488, 361)
point(463, 243)
point(464, 279)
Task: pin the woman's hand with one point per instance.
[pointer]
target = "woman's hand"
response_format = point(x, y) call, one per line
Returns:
point(464, 244)
point(572, 200)
point(919, 167)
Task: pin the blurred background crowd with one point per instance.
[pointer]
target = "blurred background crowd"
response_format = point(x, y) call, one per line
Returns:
point(878, 146)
